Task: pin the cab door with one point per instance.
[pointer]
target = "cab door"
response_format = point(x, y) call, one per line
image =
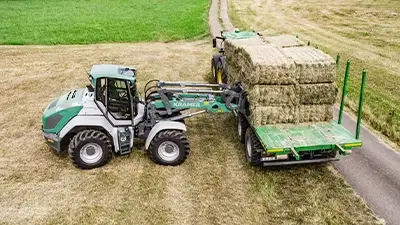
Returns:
point(114, 100)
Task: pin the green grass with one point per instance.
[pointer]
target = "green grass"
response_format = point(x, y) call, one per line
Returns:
point(101, 21)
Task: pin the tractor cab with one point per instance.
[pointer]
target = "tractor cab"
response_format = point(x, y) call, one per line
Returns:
point(115, 90)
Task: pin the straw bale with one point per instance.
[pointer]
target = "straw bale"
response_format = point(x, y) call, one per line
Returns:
point(316, 94)
point(259, 64)
point(263, 115)
point(283, 41)
point(273, 95)
point(313, 113)
point(312, 65)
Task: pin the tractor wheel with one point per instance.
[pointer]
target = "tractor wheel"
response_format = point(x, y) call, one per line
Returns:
point(253, 148)
point(169, 147)
point(90, 149)
point(242, 126)
point(219, 70)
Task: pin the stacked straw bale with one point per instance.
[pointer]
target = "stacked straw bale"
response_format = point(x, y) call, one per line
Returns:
point(283, 41)
point(286, 82)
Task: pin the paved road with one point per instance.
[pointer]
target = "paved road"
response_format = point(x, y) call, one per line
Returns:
point(373, 170)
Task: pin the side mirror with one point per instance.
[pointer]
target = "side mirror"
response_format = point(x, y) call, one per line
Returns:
point(214, 42)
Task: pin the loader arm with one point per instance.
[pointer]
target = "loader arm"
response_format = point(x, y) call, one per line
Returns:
point(169, 98)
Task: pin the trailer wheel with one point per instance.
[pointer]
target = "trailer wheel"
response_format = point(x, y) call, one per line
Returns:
point(242, 126)
point(219, 70)
point(169, 147)
point(90, 149)
point(253, 148)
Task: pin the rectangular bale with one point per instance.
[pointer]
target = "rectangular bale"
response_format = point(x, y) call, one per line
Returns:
point(264, 115)
point(263, 64)
point(283, 41)
point(313, 113)
point(312, 65)
point(317, 94)
point(273, 95)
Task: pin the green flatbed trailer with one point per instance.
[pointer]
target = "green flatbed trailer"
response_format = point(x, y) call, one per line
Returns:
point(304, 143)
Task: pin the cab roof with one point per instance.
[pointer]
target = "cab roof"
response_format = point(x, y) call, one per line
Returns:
point(239, 34)
point(113, 71)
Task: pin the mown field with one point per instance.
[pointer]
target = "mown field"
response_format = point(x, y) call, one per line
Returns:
point(101, 21)
point(365, 32)
point(214, 186)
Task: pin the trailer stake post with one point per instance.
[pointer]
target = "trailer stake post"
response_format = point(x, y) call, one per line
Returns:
point(342, 151)
point(296, 155)
point(337, 61)
point(344, 91)
point(360, 103)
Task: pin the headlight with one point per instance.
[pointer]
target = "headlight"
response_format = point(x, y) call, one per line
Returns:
point(52, 121)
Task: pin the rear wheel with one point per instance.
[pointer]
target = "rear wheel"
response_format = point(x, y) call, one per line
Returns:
point(242, 126)
point(169, 147)
point(253, 148)
point(90, 149)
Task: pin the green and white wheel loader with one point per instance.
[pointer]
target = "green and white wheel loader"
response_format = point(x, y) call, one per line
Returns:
point(107, 116)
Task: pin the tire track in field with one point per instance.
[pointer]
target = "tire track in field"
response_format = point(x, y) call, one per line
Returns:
point(177, 196)
point(221, 191)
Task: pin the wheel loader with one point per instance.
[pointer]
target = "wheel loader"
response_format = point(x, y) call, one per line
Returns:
point(108, 115)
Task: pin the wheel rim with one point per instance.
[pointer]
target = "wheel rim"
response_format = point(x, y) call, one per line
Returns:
point(168, 151)
point(219, 77)
point(248, 147)
point(239, 127)
point(91, 153)
point(213, 69)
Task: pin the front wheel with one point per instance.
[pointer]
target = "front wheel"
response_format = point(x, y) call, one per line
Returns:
point(169, 147)
point(90, 149)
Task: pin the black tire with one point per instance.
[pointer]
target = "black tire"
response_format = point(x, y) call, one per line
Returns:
point(242, 126)
point(93, 140)
point(217, 65)
point(174, 139)
point(253, 148)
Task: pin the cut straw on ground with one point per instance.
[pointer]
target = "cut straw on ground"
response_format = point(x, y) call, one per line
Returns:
point(214, 186)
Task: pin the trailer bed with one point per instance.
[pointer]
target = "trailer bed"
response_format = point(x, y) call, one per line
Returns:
point(305, 137)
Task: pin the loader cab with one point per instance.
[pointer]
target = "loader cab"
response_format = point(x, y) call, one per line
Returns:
point(115, 91)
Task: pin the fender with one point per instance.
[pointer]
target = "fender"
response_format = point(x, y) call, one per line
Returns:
point(163, 125)
point(222, 59)
point(91, 121)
